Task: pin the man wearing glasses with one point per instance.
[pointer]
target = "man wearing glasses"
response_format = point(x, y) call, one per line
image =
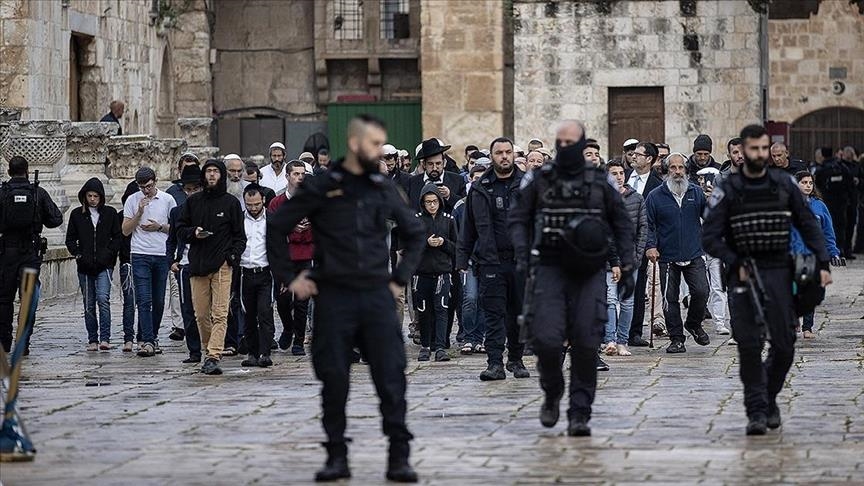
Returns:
point(145, 217)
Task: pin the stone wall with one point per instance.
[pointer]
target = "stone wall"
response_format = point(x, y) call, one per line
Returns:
point(121, 55)
point(462, 65)
point(802, 51)
point(568, 54)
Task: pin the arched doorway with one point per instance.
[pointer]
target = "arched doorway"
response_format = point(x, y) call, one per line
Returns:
point(833, 127)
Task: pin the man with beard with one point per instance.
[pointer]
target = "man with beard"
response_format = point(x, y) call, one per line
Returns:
point(272, 175)
point(662, 153)
point(486, 242)
point(253, 176)
point(578, 208)
point(235, 184)
point(764, 205)
point(211, 222)
point(674, 239)
point(701, 157)
point(780, 159)
point(355, 292)
point(394, 171)
point(735, 154)
point(451, 186)
point(627, 155)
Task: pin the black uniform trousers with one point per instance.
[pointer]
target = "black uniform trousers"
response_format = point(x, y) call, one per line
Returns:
point(763, 380)
point(455, 310)
point(293, 312)
point(501, 292)
point(696, 277)
point(639, 300)
point(190, 325)
point(432, 303)
point(12, 261)
point(839, 214)
point(345, 318)
point(572, 310)
point(256, 287)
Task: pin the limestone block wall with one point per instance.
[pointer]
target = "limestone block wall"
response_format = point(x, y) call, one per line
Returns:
point(802, 51)
point(462, 65)
point(567, 55)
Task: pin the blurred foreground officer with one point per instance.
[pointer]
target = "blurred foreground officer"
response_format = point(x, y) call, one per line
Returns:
point(348, 207)
point(747, 226)
point(562, 217)
point(24, 209)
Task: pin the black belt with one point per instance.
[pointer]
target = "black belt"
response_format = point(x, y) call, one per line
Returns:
point(255, 269)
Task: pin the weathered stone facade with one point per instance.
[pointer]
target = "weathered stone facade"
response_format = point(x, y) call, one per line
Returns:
point(68, 59)
point(804, 51)
point(568, 55)
point(462, 66)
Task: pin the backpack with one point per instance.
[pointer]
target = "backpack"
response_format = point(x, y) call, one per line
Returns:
point(18, 207)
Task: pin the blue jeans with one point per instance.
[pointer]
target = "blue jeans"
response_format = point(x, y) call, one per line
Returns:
point(472, 323)
point(127, 288)
point(617, 324)
point(808, 322)
point(96, 290)
point(150, 274)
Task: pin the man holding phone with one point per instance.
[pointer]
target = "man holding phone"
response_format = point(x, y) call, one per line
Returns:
point(211, 222)
point(145, 217)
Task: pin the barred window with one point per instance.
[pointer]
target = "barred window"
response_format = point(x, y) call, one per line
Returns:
point(347, 19)
point(395, 22)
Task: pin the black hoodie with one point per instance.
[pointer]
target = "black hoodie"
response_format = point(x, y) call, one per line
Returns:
point(218, 212)
point(95, 249)
point(437, 259)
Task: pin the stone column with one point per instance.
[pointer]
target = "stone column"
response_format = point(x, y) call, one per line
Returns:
point(43, 144)
point(126, 153)
point(164, 154)
point(86, 157)
point(196, 132)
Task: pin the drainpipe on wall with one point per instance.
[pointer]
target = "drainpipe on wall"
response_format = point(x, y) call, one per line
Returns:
point(763, 64)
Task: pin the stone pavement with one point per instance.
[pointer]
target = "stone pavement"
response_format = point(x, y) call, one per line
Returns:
point(113, 418)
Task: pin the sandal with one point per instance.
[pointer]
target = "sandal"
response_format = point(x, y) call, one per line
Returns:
point(479, 349)
point(809, 335)
point(467, 348)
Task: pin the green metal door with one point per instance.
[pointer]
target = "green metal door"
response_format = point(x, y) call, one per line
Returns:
point(404, 128)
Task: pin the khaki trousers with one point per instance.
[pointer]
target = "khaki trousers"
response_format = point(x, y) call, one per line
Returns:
point(210, 297)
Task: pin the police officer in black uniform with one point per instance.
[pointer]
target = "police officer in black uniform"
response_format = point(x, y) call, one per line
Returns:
point(348, 207)
point(486, 242)
point(747, 227)
point(24, 209)
point(565, 216)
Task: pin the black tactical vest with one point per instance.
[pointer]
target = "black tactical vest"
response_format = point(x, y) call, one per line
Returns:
point(760, 218)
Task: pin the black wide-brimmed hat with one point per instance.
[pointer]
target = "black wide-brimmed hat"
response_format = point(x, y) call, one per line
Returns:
point(431, 147)
point(190, 175)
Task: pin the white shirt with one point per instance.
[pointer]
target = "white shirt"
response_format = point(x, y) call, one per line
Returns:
point(149, 242)
point(255, 254)
point(271, 180)
point(643, 180)
point(94, 216)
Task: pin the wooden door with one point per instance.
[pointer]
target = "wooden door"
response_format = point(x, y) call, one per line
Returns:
point(635, 113)
point(834, 127)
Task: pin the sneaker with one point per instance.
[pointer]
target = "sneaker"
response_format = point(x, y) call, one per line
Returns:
point(441, 355)
point(758, 425)
point(518, 369)
point(467, 348)
point(610, 349)
point(211, 367)
point(146, 350)
point(493, 372)
point(809, 335)
point(93, 347)
point(659, 328)
point(297, 350)
point(700, 336)
point(127, 347)
point(229, 351)
point(479, 349)
point(721, 330)
point(638, 342)
point(265, 362)
point(623, 351)
point(602, 365)
point(274, 345)
point(676, 347)
point(192, 359)
point(284, 341)
point(250, 361)
point(177, 334)
point(424, 354)
point(156, 348)
point(104, 346)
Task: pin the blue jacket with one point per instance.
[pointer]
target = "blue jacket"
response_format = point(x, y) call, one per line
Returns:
point(675, 232)
point(820, 210)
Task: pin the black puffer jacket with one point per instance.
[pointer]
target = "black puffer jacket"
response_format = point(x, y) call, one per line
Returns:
point(95, 249)
point(218, 212)
point(436, 259)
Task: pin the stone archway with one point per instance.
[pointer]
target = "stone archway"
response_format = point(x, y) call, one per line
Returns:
point(833, 127)
point(166, 114)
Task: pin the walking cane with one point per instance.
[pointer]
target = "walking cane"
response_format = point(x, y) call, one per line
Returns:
point(15, 443)
point(651, 327)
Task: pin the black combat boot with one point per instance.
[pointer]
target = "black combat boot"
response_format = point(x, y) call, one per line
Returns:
point(773, 421)
point(550, 410)
point(336, 467)
point(578, 427)
point(758, 425)
point(398, 468)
